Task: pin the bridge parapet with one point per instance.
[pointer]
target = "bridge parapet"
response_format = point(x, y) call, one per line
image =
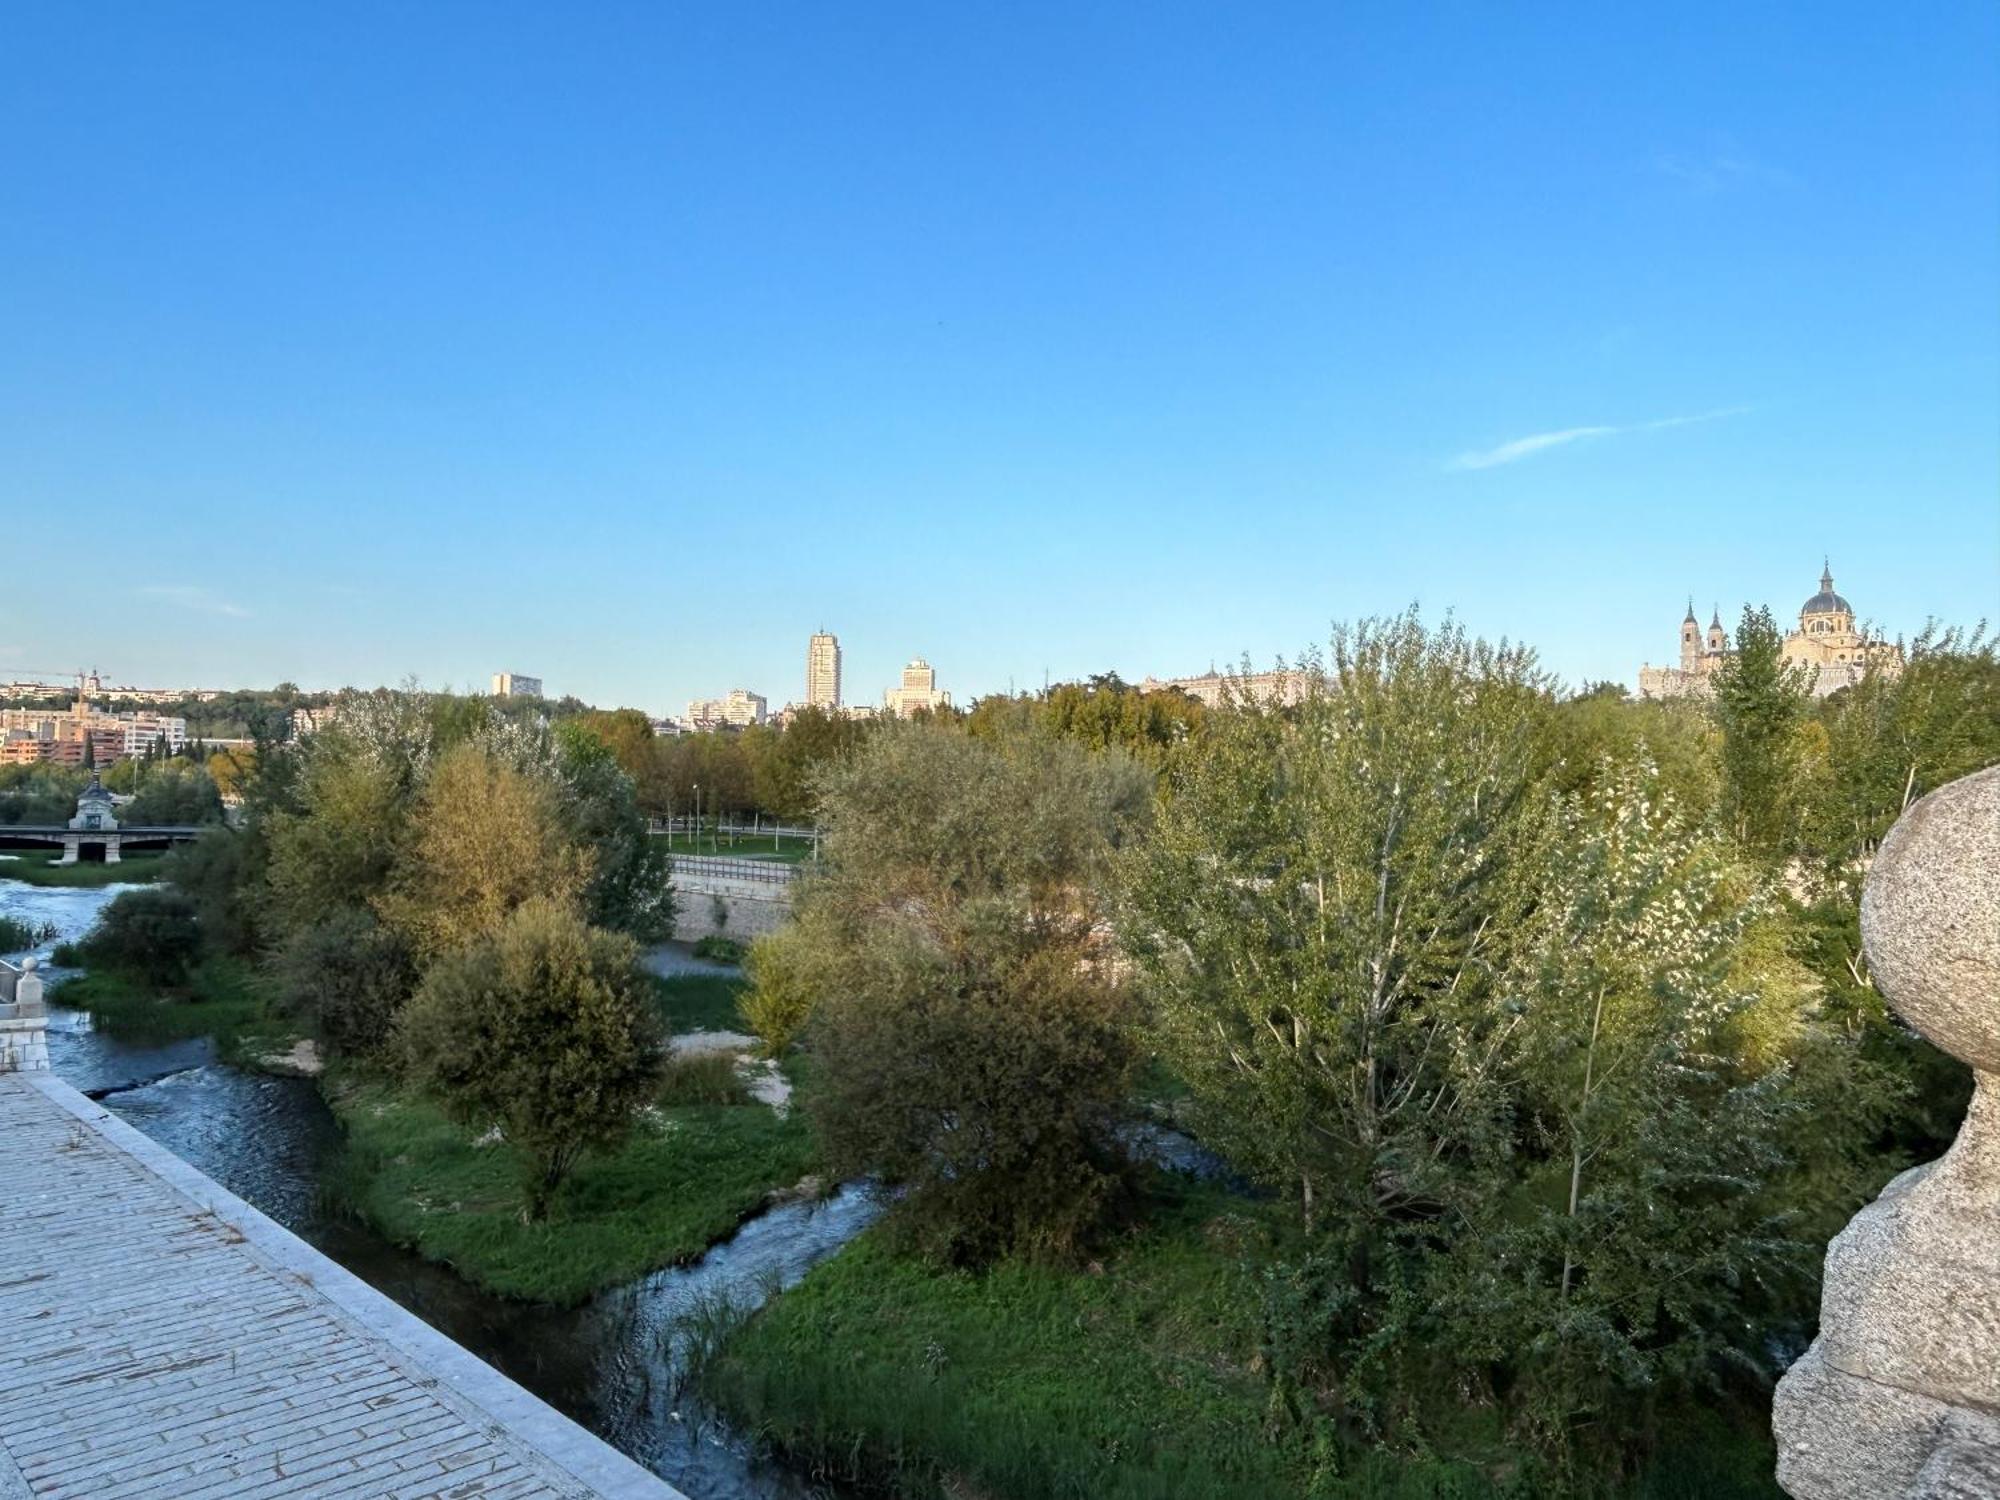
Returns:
point(24, 1019)
point(1899, 1396)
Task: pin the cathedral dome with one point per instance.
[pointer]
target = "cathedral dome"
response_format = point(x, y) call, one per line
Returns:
point(1826, 601)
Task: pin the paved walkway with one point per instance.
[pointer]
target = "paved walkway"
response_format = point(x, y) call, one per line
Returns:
point(160, 1338)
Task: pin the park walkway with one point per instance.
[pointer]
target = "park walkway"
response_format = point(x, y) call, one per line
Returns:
point(159, 1338)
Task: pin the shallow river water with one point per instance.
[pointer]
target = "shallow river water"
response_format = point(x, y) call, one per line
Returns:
point(612, 1364)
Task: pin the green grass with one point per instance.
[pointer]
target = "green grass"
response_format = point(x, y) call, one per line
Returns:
point(699, 1002)
point(1137, 1378)
point(39, 867)
point(1138, 1381)
point(223, 998)
point(746, 846)
point(687, 1177)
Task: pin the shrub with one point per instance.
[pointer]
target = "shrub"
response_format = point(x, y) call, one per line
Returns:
point(17, 935)
point(347, 976)
point(152, 934)
point(973, 1047)
point(722, 950)
point(484, 837)
point(780, 998)
point(702, 1078)
point(539, 1027)
point(214, 871)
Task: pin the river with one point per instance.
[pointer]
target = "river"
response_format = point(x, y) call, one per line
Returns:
point(613, 1364)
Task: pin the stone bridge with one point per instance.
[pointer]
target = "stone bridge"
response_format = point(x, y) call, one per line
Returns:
point(161, 1338)
point(107, 843)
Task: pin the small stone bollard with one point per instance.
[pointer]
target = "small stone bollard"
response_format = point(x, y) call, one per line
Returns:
point(24, 1025)
point(1899, 1396)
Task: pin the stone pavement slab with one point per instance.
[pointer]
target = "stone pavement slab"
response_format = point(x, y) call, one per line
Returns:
point(162, 1340)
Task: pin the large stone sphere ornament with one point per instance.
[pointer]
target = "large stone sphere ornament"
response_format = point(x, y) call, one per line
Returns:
point(1899, 1396)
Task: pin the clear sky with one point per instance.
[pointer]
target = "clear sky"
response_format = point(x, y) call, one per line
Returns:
point(625, 345)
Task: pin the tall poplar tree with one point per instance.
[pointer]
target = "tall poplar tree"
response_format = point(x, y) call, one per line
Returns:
point(1760, 703)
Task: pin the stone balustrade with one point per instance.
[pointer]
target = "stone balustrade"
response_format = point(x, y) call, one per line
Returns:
point(1899, 1396)
point(24, 1020)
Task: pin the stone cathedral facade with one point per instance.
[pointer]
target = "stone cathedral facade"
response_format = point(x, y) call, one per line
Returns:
point(1826, 643)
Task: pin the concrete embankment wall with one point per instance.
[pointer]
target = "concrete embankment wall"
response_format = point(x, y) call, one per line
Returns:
point(707, 905)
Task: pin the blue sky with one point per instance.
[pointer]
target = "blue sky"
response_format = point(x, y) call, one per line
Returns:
point(626, 345)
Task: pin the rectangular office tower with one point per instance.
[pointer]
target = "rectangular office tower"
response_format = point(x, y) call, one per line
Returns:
point(823, 671)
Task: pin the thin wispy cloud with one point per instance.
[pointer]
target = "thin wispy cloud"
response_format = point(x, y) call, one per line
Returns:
point(1719, 171)
point(191, 597)
point(1517, 449)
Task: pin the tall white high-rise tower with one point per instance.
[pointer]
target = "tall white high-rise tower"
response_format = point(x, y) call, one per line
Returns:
point(823, 671)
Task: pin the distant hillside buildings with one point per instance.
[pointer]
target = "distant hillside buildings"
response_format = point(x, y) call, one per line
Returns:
point(1212, 688)
point(1826, 644)
point(60, 734)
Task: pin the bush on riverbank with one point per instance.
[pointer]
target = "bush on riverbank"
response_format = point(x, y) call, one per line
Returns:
point(686, 1177)
point(537, 1028)
point(151, 935)
point(17, 936)
point(972, 1045)
point(221, 997)
point(38, 867)
point(347, 977)
point(1141, 1376)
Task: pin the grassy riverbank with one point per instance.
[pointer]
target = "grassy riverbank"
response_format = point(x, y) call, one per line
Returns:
point(687, 1176)
point(222, 997)
point(1139, 1377)
point(39, 867)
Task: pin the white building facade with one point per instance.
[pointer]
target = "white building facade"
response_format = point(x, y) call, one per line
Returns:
point(917, 691)
point(823, 671)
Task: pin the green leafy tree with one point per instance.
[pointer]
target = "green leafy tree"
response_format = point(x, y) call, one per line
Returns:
point(1634, 1252)
point(175, 794)
point(152, 934)
point(974, 1043)
point(347, 977)
point(630, 888)
point(332, 841)
point(779, 1001)
point(483, 838)
point(785, 776)
point(1895, 737)
point(1319, 918)
point(1760, 704)
point(540, 1027)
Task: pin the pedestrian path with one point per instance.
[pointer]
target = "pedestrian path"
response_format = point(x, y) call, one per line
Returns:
point(162, 1340)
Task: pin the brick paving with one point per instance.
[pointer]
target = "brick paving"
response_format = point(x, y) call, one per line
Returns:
point(161, 1340)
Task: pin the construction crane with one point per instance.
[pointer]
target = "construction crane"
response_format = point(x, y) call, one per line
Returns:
point(78, 673)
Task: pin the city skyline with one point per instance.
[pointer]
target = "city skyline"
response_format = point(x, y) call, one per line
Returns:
point(735, 705)
point(631, 353)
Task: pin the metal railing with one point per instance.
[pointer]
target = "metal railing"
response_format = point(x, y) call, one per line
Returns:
point(722, 867)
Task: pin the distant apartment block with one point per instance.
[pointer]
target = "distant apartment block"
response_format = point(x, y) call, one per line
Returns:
point(823, 671)
point(514, 685)
point(739, 709)
point(307, 721)
point(59, 735)
point(1214, 689)
point(918, 690)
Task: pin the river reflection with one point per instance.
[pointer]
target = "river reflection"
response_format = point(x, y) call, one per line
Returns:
point(612, 1364)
